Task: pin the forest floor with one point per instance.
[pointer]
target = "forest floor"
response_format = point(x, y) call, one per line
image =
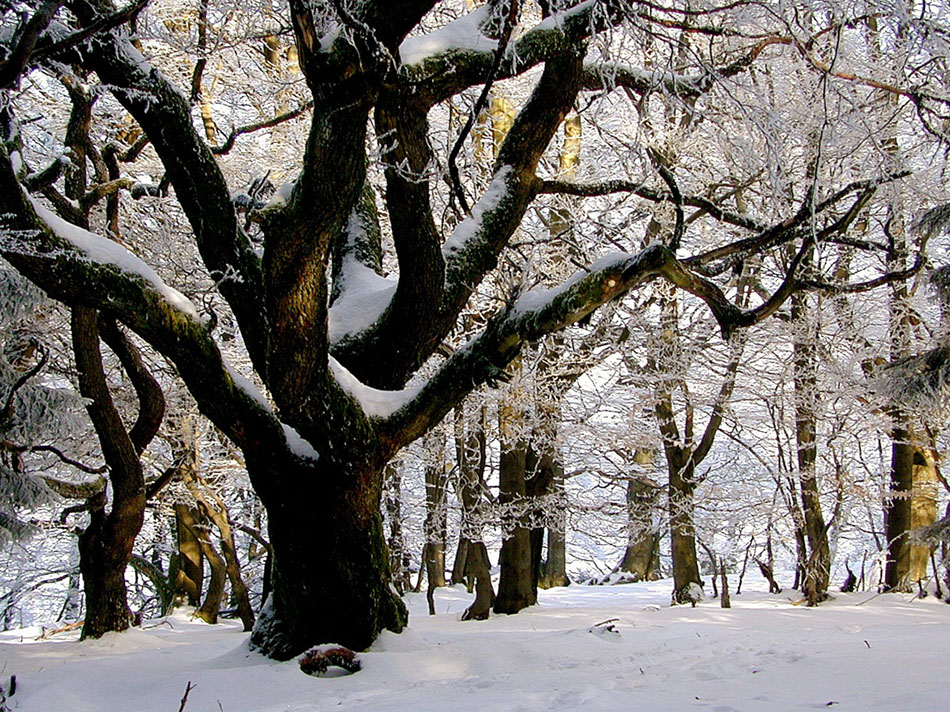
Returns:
point(857, 652)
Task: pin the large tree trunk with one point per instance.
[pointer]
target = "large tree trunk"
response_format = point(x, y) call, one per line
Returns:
point(105, 547)
point(330, 581)
point(517, 587)
point(911, 504)
point(554, 569)
point(643, 540)
point(687, 584)
point(542, 470)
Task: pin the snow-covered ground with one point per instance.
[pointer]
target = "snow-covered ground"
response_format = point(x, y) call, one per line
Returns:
point(858, 652)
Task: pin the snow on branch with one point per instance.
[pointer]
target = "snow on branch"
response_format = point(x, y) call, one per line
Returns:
point(484, 358)
point(103, 251)
point(76, 266)
point(375, 403)
point(461, 35)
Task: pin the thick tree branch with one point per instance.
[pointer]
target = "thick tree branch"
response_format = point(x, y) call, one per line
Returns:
point(125, 468)
point(404, 330)
point(164, 113)
point(531, 317)
point(149, 392)
point(79, 268)
point(55, 48)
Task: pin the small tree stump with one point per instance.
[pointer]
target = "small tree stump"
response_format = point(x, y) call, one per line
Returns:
point(318, 660)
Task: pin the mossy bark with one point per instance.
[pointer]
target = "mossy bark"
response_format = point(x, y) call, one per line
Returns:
point(330, 580)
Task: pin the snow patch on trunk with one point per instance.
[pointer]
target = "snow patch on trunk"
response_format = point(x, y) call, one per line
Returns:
point(375, 403)
point(364, 298)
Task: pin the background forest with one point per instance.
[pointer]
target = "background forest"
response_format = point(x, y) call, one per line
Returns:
point(771, 398)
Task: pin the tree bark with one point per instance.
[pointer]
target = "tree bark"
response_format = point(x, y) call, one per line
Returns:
point(105, 547)
point(484, 593)
point(214, 597)
point(818, 563)
point(330, 580)
point(398, 559)
point(911, 504)
point(643, 539)
point(471, 561)
point(433, 553)
point(554, 570)
point(517, 587)
point(189, 564)
point(687, 584)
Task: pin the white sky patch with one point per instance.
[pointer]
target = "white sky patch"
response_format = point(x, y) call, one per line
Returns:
point(364, 298)
point(462, 35)
point(298, 446)
point(375, 403)
point(470, 226)
point(102, 250)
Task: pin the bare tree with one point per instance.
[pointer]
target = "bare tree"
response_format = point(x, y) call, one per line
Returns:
point(338, 406)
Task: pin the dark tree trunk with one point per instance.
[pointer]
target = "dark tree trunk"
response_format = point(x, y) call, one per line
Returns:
point(478, 564)
point(539, 467)
point(554, 571)
point(105, 547)
point(330, 579)
point(471, 559)
point(544, 473)
point(687, 584)
point(433, 553)
point(460, 563)
point(517, 587)
point(897, 511)
point(725, 601)
point(817, 571)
